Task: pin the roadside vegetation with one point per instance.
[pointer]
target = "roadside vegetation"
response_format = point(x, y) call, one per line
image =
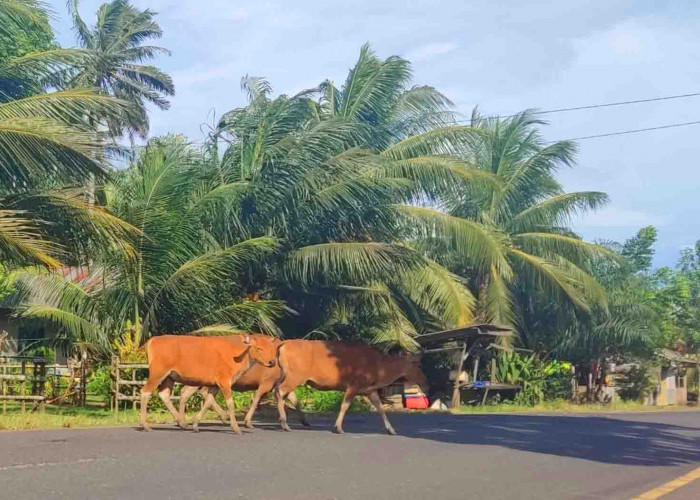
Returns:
point(365, 210)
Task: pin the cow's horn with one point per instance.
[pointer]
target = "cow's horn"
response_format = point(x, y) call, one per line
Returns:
point(246, 339)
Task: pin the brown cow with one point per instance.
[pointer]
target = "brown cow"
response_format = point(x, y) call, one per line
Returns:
point(259, 378)
point(198, 361)
point(356, 369)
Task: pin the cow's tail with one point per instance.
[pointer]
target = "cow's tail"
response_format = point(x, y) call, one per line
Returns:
point(147, 349)
point(281, 362)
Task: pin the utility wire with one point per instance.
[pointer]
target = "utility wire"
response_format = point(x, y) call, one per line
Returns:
point(624, 132)
point(595, 106)
point(592, 106)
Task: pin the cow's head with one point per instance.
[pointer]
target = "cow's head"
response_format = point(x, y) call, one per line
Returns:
point(263, 349)
point(413, 373)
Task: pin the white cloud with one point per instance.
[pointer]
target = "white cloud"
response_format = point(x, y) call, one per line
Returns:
point(238, 14)
point(621, 217)
point(200, 74)
point(431, 50)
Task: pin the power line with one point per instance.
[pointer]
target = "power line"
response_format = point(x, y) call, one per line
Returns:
point(596, 136)
point(623, 132)
point(595, 106)
point(591, 106)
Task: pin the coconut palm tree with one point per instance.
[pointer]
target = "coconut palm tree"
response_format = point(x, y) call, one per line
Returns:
point(328, 182)
point(523, 220)
point(45, 147)
point(175, 278)
point(115, 52)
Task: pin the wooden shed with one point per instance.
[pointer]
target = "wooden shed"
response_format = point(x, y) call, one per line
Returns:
point(672, 388)
point(467, 343)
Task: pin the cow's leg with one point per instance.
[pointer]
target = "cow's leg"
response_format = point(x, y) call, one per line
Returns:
point(347, 401)
point(154, 380)
point(223, 416)
point(259, 393)
point(209, 401)
point(165, 390)
point(186, 393)
point(294, 400)
point(281, 409)
point(377, 402)
point(283, 390)
point(281, 393)
point(228, 397)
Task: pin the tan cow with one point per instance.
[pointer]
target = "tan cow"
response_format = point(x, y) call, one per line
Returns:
point(259, 378)
point(356, 369)
point(200, 361)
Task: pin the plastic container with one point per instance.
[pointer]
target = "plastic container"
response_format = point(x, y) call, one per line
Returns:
point(416, 401)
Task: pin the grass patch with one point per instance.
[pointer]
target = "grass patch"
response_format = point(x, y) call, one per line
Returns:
point(56, 417)
point(563, 406)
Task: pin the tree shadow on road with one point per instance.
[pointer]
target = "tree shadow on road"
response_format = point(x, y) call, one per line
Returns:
point(602, 439)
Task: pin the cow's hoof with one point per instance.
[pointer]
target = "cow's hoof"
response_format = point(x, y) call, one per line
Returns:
point(286, 428)
point(182, 425)
point(237, 432)
point(195, 428)
point(249, 425)
point(337, 430)
point(391, 431)
point(146, 428)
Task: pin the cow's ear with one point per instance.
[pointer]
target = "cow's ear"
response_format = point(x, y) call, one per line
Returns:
point(239, 357)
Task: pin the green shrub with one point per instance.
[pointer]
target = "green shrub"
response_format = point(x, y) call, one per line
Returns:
point(539, 381)
point(557, 384)
point(323, 401)
point(635, 384)
point(100, 383)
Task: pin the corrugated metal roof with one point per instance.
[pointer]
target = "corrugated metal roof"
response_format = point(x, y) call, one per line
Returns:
point(463, 333)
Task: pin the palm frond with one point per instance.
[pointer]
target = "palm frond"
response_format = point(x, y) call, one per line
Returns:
point(477, 243)
point(17, 13)
point(77, 328)
point(258, 315)
point(496, 301)
point(441, 294)
point(349, 263)
point(557, 210)
point(561, 277)
point(218, 330)
point(452, 140)
point(22, 242)
point(548, 245)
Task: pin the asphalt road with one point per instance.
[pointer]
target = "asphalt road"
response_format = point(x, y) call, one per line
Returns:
point(435, 456)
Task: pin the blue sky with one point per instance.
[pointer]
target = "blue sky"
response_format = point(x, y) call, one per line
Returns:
point(503, 56)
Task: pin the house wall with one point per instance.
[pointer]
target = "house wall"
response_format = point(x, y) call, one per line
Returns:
point(681, 391)
point(673, 388)
point(9, 325)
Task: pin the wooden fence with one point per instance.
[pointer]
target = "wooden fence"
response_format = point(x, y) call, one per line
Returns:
point(15, 373)
point(127, 380)
point(74, 374)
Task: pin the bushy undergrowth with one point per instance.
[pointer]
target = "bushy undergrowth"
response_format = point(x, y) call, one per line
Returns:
point(321, 401)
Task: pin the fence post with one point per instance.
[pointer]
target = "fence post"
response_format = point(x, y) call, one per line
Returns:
point(133, 388)
point(22, 391)
point(39, 383)
point(4, 389)
point(115, 364)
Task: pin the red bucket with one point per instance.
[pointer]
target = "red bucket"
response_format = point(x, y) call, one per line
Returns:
point(416, 402)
